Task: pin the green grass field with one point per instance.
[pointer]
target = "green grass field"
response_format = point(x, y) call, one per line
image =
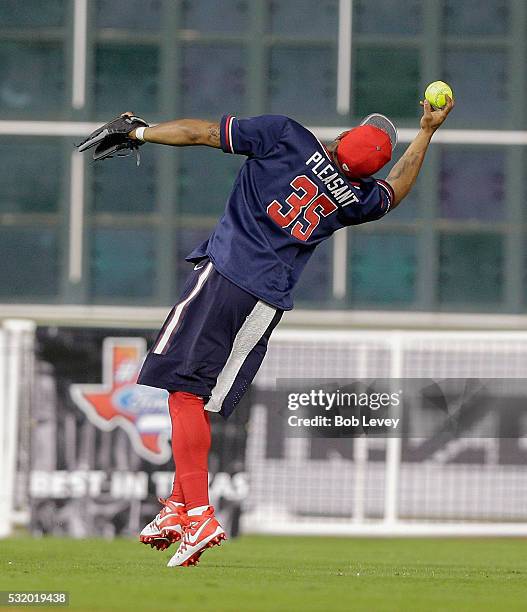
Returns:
point(270, 574)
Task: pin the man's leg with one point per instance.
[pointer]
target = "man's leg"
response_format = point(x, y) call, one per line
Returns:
point(191, 441)
point(190, 488)
point(190, 448)
point(177, 492)
point(233, 327)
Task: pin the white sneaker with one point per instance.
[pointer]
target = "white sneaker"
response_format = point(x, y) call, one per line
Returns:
point(203, 531)
point(167, 527)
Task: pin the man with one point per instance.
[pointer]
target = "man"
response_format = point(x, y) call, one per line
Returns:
point(290, 194)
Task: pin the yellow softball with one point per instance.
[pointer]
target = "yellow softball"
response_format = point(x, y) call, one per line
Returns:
point(436, 94)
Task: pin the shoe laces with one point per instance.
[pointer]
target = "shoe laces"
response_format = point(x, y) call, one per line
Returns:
point(192, 524)
point(195, 520)
point(168, 508)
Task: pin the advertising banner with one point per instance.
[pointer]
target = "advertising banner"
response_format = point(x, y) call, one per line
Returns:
point(100, 445)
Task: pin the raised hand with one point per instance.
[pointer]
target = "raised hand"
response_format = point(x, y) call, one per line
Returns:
point(432, 119)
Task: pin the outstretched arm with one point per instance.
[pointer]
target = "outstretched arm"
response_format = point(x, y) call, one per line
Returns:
point(183, 132)
point(403, 175)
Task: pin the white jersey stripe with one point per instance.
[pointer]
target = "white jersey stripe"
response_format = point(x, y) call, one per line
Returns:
point(246, 339)
point(165, 338)
point(231, 121)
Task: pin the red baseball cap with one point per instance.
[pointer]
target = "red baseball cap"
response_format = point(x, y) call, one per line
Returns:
point(365, 149)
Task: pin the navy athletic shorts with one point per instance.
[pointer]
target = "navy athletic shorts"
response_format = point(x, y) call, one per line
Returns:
point(212, 342)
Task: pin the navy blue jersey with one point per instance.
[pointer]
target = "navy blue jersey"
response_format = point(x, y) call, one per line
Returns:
point(288, 197)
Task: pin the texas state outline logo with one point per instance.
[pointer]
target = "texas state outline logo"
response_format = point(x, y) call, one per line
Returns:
point(142, 412)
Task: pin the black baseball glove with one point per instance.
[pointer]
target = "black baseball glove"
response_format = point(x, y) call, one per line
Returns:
point(112, 138)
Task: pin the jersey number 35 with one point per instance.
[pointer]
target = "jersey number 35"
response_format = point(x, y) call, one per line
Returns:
point(303, 208)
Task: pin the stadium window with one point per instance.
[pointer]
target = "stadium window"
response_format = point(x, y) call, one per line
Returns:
point(32, 173)
point(316, 19)
point(471, 270)
point(44, 91)
point(473, 17)
point(30, 262)
point(374, 67)
point(472, 183)
point(478, 74)
point(128, 14)
point(290, 68)
point(214, 16)
point(382, 268)
point(411, 208)
point(122, 263)
point(206, 95)
point(388, 17)
point(123, 187)
point(215, 183)
point(32, 13)
point(123, 68)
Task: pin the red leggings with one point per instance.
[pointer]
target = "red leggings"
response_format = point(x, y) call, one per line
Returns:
point(190, 448)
